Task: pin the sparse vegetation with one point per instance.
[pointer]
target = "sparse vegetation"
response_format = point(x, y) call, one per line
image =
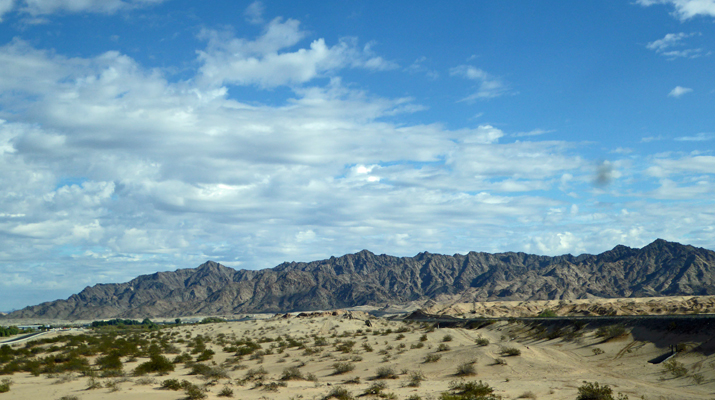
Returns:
point(593, 391)
point(675, 368)
point(510, 351)
point(415, 379)
point(466, 369)
point(597, 351)
point(342, 368)
point(443, 347)
point(460, 390)
point(385, 373)
point(610, 332)
point(5, 385)
point(339, 393)
point(430, 358)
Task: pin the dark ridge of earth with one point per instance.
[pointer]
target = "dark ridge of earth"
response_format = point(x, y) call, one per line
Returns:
point(660, 269)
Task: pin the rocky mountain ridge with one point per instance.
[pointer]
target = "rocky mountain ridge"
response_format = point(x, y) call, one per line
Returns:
point(660, 269)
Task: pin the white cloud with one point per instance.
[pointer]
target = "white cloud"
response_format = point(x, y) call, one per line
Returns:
point(699, 137)
point(488, 85)
point(686, 9)
point(254, 12)
point(46, 7)
point(679, 91)
point(267, 62)
point(665, 46)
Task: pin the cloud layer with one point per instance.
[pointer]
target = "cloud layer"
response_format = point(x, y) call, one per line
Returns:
point(115, 169)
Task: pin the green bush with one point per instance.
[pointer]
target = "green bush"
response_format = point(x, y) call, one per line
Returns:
point(194, 392)
point(443, 347)
point(482, 341)
point(510, 351)
point(226, 392)
point(292, 373)
point(430, 358)
point(339, 393)
point(592, 391)
point(447, 338)
point(473, 390)
point(342, 367)
point(415, 379)
point(385, 373)
point(375, 389)
point(157, 363)
point(5, 385)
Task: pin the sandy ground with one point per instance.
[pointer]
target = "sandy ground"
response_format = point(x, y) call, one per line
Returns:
point(549, 369)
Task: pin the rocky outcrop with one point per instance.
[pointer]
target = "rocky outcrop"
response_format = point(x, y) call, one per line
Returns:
point(659, 269)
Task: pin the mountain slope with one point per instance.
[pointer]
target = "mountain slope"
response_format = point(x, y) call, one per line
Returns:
point(661, 268)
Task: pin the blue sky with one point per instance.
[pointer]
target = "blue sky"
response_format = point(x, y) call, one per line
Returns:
point(146, 135)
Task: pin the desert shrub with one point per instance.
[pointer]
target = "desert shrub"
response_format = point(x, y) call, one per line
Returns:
point(610, 332)
point(527, 395)
point(182, 358)
point(194, 392)
point(345, 347)
point(256, 373)
point(385, 373)
point(423, 338)
point(5, 385)
point(273, 386)
point(172, 384)
point(69, 397)
point(548, 313)
point(342, 367)
point(675, 368)
point(473, 390)
point(292, 373)
point(698, 378)
point(482, 341)
point(145, 381)
point(367, 347)
point(399, 337)
point(110, 362)
point(414, 397)
point(447, 338)
point(443, 347)
point(466, 369)
point(417, 345)
point(205, 355)
point(510, 351)
point(597, 351)
point(415, 379)
point(226, 392)
point(592, 391)
point(93, 384)
point(339, 393)
point(208, 372)
point(320, 341)
point(430, 358)
point(375, 389)
point(157, 363)
point(500, 361)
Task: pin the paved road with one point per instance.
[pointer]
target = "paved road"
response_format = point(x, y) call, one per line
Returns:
point(22, 338)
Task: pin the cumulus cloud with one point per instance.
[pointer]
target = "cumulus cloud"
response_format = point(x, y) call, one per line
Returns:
point(488, 86)
point(267, 62)
point(686, 9)
point(679, 91)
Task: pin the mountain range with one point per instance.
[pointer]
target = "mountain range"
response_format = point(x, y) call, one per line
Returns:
point(661, 268)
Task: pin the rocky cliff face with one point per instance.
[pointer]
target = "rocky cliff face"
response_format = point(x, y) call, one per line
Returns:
point(659, 269)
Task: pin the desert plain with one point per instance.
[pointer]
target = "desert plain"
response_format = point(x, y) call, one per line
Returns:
point(312, 356)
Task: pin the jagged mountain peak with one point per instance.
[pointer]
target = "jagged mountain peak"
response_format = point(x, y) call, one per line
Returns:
point(661, 268)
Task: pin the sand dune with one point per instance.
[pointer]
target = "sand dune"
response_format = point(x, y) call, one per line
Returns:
point(546, 369)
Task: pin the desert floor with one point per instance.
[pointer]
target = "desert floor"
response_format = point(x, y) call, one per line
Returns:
point(545, 369)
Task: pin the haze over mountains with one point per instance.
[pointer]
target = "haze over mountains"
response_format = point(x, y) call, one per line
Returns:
point(660, 269)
